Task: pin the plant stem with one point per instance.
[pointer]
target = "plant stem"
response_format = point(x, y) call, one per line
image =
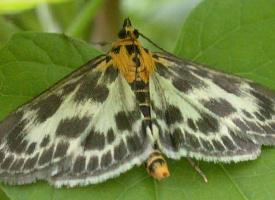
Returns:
point(84, 18)
point(46, 19)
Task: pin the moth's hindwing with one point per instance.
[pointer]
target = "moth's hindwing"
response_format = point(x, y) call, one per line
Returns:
point(85, 129)
point(205, 114)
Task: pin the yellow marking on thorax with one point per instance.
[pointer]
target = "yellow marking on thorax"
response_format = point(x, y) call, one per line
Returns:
point(125, 64)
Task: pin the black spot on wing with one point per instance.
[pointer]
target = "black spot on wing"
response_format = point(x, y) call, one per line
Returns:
point(93, 163)
point(246, 125)
point(106, 160)
point(79, 164)
point(45, 141)
point(157, 111)
point(31, 148)
point(72, 127)
point(11, 122)
point(207, 123)
point(164, 135)
point(69, 88)
point(269, 94)
point(220, 107)
point(247, 114)
point(184, 80)
point(7, 162)
point(266, 112)
point(265, 104)
point(100, 93)
point(120, 151)
point(173, 115)
point(61, 149)
point(89, 88)
point(16, 136)
point(268, 129)
point(163, 71)
point(201, 72)
point(47, 107)
point(182, 85)
point(177, 138)
point(21, 146)
point(191, 140)
point(110, 136)
point(46, 156)
point(167, 139)
point(272, 125)
point(207, 145)
point(2, 155)
point(228, 143)
point(17, 164)
point(241, 125)
point(133, 143)
point(88, 82)
point(227, 83)
point(218, 145)
point(123, 121)
point(243, 142)
point(253, 126)
point(259, 116)
point(94, 140)
point(191, 124)
point(110, 74)
point(31, 162)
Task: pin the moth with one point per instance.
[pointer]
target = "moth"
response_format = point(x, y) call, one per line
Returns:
point(132, 106)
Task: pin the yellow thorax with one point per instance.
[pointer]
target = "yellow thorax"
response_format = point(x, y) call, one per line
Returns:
point(129, 57)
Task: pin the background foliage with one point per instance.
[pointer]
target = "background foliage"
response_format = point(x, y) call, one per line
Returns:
point(236, 36)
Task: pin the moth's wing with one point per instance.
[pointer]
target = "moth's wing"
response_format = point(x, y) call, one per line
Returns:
point(85, 129)
point(205, 114)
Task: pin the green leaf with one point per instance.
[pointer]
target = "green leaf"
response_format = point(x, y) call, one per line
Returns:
point(26, 21)
point(7, 6)
point(32, 62)
point(231, 35)
point(236, 36)
point(3, 196)
point(6, 31)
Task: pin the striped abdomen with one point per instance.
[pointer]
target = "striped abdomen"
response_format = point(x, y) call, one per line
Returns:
point(141, 90)
point(156, 166)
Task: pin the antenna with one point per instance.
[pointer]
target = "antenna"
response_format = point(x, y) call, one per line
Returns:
point(153, 43)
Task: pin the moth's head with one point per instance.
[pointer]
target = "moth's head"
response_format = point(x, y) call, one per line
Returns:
point(128, 31)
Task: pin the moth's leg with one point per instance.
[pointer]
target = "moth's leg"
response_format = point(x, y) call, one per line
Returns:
point(156, 166)
point(197, 168)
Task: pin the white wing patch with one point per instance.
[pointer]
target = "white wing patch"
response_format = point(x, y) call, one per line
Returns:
point(208, 115)
point(86, 129)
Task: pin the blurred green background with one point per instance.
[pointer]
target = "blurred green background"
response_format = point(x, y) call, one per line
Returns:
point(95, 20)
